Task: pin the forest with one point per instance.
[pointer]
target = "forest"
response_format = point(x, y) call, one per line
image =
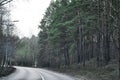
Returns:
point(82, 33)
point(76, 35)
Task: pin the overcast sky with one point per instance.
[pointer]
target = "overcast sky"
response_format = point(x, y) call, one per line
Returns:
point(29, 13)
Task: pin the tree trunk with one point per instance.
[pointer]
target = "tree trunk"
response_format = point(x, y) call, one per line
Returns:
point(84, 51)
point(98, 35)
point(78, 39)
point(119, 51)
point(92, 47)
point(81, 41)
point(66, 55)
point(118, 23)
point(106, 34)
point(78, 52)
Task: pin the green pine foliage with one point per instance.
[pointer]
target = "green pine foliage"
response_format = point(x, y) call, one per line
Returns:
point(76, 31)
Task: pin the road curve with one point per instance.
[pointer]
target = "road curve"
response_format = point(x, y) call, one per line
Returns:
point(25, 73)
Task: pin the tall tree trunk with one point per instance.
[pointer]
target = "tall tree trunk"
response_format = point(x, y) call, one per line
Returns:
point(119, 51)
point(1, 40)
point(118, 24)
point(98, 35)
point(98, 50)
point(81, 42)
point(106, 34)
point(78, 40)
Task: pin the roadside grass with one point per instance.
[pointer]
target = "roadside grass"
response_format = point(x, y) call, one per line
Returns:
point(91, 71)
point(6, 71)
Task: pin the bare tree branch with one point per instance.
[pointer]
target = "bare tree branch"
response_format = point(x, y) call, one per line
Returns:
point(3, 2)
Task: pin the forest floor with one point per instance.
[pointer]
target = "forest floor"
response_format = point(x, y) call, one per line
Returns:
point(6, 71)
point(91, 71)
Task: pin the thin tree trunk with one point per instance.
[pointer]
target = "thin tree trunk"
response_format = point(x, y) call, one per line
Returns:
point(81, 42)
point(67, 55)
point(78, 52)
point(119, 51)
point(84, 51)
point(106, 35)
point(118, 24)
point(98, 35)
point(1, 40)
point(92, 47)
point(78, 40)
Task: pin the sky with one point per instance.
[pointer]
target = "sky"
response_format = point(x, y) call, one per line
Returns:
point(29, 14)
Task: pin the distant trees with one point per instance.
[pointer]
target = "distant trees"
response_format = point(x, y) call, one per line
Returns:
point(3, 12)
point(26, 52)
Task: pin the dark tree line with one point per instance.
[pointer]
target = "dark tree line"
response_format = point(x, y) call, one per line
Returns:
point(76, 31)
